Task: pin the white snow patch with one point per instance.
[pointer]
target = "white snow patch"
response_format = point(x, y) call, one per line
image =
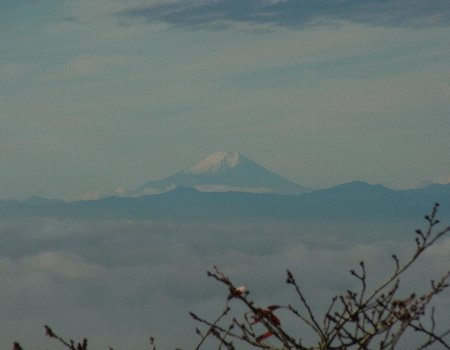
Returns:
point(222, 188)
point(215, 162)
point(444, 180)
point(155, 190)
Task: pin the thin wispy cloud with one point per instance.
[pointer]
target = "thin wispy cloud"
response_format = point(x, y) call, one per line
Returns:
point(294, 13)
point(75, 19)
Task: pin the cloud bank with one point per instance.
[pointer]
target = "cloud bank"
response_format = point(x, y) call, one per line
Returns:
point(119, 282)
point(294, 13)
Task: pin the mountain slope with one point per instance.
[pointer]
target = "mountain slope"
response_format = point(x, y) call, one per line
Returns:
point(224, 171)
point(347, 202)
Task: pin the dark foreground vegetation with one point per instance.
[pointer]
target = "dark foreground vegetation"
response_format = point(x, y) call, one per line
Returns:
point(377, 317)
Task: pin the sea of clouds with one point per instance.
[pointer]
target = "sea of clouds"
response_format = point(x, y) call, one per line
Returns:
point(118, 282)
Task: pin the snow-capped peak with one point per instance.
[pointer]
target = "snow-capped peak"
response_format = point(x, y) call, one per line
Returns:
point(225, 171)
point(215, 162)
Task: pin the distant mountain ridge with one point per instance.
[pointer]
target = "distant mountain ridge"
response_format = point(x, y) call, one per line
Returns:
point(222, 172)
point(351, 201)
point(230, 186)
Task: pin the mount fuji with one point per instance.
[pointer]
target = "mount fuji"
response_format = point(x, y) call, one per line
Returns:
point(224, 172)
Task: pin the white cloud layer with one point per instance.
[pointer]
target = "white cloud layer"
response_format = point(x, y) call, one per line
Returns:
point(119, 282)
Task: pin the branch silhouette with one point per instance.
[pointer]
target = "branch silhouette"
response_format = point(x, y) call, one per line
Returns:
point(362, 319)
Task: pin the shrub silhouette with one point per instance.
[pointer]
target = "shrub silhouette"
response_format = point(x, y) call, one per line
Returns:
point(376, 318)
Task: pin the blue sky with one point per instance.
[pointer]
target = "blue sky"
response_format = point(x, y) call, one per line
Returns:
point(102, 94)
